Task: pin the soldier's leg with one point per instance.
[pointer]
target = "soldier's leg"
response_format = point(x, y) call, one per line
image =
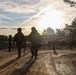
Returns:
point(9, 48)
point(32, 51)
point(19, 52)
point(36, 52)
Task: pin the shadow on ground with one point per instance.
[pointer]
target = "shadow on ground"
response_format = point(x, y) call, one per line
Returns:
point(55, 65)
point(47, 64)
point(8, 63)
point(24, 68)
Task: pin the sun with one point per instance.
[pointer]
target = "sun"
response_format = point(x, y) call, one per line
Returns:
point(52, 18)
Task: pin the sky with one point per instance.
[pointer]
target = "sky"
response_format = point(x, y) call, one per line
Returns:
point(38, 13)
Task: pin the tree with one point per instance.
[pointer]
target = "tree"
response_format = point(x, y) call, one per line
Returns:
point(72, 3)
point(3, 38)
point(48, 31)
point(73, 29)
point(60, 32)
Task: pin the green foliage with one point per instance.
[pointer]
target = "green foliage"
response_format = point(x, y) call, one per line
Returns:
point(48, 31)
point(60, 32)
point(73, 29)
point(3, 38)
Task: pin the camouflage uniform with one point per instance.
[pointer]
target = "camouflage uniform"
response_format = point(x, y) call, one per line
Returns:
point(19, 38)
point(35, 39)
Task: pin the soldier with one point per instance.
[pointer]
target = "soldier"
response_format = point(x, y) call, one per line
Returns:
point(10, 43)
point(19, 38)
point(54, 48)
point(35, 39)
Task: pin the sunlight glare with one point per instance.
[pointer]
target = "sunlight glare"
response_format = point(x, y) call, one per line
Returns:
point(52, 18)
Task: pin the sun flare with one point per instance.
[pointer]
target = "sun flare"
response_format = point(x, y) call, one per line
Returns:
point(52, 18)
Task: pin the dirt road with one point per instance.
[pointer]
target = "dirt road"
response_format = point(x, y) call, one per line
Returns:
point(63, 63)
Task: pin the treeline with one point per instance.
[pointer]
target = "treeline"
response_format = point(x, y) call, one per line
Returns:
point(3, 38)
point(69, 31)
point(3, 41)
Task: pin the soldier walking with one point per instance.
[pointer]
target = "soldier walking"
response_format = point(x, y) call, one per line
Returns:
point(19, 38)
point(35, 39)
